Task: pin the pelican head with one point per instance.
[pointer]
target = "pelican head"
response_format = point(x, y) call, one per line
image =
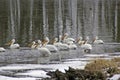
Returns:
point(56, 39)
point(13, 40)
point(95, 38)
point(87, 38)
point(39, 41)
point(33, 44)
point(38, 44)
point(64, 36)
point(60, 36)
point(80, 38)
point(47, 39)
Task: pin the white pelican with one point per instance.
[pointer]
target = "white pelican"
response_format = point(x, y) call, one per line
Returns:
point(45, 41)
point(45, 54)
point(80, 41)
point(2, 49)
point(50, 47)
point(87, 47)
point(12, 45)
point(53, 49)
point(64, 36)
point(67, 39)
point(59, 44)
point(97, 41)
point(42, 49)
point(33, 45)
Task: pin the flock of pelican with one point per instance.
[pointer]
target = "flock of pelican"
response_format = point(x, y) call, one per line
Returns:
point(62, 43)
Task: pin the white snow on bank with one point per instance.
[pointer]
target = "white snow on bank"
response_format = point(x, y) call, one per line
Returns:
point(115, 77)
point(40, 72)
point(63, 65)
point(96, 55)
point(35, 73)
point(11, 78)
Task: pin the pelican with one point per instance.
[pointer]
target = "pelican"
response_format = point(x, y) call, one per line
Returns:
point(2, 49)
point(64, 36)
point(80, 41)
point(97, 41)
point(42, 49)
point(72, 46)
point(67, 39)
point(59, 44)
point(12, 45)
point(87, 47)
point(53, 49)
point(50, 47)
point(33, 45)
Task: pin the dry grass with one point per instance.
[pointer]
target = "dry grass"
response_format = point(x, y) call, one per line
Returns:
point(117, 60)
point(102, 65)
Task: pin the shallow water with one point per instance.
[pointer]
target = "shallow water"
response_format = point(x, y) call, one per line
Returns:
point(73, 58)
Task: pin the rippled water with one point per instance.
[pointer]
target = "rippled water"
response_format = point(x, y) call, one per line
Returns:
point(75, 59)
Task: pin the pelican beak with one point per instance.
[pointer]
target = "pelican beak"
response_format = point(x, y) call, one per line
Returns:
point(44, 42)
point(77, 40)
point(85, 42)
point(30, 44)
point(63, 37)
point(8, 43)
point(36, 45)
point(53, 41)
point(94, 40)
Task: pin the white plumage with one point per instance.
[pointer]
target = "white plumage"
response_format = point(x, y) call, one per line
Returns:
point(60, 45)
point(86, 47)
point(69, 40)
point(80, 41)
point(43, 50)
point(50, 47)
point(12, 45)
point(2, 49)
point(72, 46)
point(97, 41)
point(33, 45)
